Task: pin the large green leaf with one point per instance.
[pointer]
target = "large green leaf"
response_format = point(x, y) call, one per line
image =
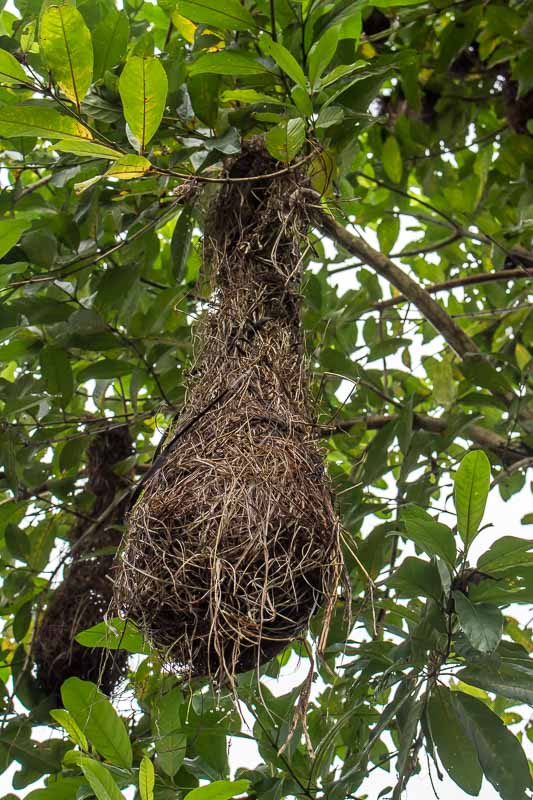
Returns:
point(321, 54)
point(501, 757)
point(143, 88)
point(506, 553)
point(285, 140)
point(114, 634)
point(481, 622)
point(511, 679)
point(57, 372)
point(431, 536)
point(471, 489)
point(105, 368)
point(228, 62)
point(415, 577)
point(218, 790)
point(171, 742)
point(100, 780)
point(10, 69)
point(283, 58)
point(229, 15)
point(38, 121)
point(98, 720)
point(456, 752)
point(110, 40)
point(83, 147)
point(180, 244)
point(66, 45)
point(10, 232)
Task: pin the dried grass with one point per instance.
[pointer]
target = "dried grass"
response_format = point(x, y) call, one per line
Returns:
point(233, 543)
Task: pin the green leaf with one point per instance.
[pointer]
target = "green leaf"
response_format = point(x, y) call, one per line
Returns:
point(143, 88)
point(57, 372)
point(506, 553)
point(171, 742)
point(283, 58)
point(10, 69)
point(10, 232)
point(332, 115)
point(415, 577)
point(66, 44)
point(129, 167)
point(39, 121)
point(481, 622)
point(388, 232)
point(229, 15)
point(180, 244)
point(106, 368)
point(228, 62)
point(285, 140)
point(82, 147)
point(98, 720)
point(321, 54)
point(501, 757)
point(456, 752)
point(508, 678)
point(218, 790)
point(391, 158)
point(100, 780)
point(431, 536)
point(110, 40)
point(146, 779)
point(471, 489)
point(114, 634)
point(68, 722)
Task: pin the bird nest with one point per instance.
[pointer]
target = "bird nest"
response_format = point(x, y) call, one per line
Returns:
point(233, 543)
point(84, 596)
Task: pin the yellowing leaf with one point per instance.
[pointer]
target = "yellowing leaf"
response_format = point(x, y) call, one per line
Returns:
point(285, 140)
point(38, 121)
point(66, 45)
point(143, 88)
point(128, 167)
point(10, 69)
point(184, 27)
point(146, 779)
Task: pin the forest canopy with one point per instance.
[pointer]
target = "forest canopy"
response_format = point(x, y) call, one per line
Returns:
point(404, 133)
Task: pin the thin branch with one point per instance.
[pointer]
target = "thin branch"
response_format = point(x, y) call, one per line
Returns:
point(453, 283)
point(32, 187)
point(509, 452)
point(461, 343)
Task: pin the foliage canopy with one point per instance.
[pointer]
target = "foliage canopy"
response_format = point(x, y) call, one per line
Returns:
point(413, 120)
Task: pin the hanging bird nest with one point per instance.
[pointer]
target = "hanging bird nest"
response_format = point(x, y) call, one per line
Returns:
point(233, 543)
point(83, 598)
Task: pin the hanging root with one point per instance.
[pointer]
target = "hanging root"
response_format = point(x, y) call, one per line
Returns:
point(83, 598)
point(233, 543)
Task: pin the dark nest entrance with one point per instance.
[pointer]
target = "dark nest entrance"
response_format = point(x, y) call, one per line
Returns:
point(83, 598)
point(234, 542)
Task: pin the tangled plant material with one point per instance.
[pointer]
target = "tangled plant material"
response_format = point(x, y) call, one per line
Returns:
point(83, 598)
point(234, 542)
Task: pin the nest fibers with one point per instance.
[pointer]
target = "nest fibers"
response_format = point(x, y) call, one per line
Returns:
point(83, 598)
point(234, 542)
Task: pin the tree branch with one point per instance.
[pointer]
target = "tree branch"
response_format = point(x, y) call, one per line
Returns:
point(461, 343)
point(454, 335)
point(509, 452)
point(478, 277)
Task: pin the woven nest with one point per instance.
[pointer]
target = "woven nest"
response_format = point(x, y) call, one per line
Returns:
point(84, 596)
point(234, 542)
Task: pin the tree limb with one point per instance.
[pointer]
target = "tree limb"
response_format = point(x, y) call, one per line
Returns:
point(478, 277)
point(509, 452)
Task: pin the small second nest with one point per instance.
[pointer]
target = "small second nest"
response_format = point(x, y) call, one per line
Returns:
point(234, 541)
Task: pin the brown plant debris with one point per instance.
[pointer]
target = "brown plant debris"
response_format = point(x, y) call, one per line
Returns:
point(84, 596)
point(233, 543)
